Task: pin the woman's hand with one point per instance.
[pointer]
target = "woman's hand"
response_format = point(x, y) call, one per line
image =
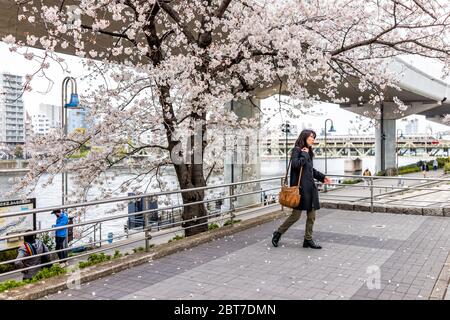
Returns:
point(305, 149)
point(327, 180)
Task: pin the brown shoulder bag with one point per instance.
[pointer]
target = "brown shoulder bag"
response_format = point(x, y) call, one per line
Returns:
point(290, 196)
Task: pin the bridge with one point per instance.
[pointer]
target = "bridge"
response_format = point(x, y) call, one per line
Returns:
point(357, 145)
point(382, 240)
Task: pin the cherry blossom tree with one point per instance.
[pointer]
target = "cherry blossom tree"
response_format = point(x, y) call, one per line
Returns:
point(169, 68)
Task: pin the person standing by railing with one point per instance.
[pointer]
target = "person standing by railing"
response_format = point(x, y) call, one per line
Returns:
point(366, 173)
point(424, 169)
point(61, 234)
point(302, 156)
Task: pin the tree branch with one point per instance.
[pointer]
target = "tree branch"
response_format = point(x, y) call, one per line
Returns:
point(174, 15)
point(222, 8)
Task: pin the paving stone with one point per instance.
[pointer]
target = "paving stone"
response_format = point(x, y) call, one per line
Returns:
point(359, 248)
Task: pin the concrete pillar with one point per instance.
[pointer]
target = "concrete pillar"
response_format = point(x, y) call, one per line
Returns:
point(385, 133)
point(242, 157)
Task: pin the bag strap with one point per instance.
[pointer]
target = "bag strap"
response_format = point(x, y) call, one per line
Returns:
point(29, 249)
point(300, 178)
point(287, 170)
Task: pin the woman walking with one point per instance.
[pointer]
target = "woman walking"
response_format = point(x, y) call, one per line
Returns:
point(302, 156)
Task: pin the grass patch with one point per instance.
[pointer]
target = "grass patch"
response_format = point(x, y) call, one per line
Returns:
point(176, 238)
point(213, 226)
point(45, 273)
point(443, 162)
point(352, 181)
point(408, 170)
point(229, 222)
point(447, 167)
point(93, 259)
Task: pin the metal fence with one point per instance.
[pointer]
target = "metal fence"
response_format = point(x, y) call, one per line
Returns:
point(172, 225)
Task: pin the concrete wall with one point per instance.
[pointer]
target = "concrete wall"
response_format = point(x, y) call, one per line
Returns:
point(242, 158)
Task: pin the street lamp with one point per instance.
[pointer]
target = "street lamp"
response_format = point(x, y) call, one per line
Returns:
point(285, 128)
point(426, 139)
point(325, 147)
point(72, 104)
point(401, 136)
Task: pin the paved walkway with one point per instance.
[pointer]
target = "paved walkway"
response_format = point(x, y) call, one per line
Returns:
point(404, 252)
point(385, 191)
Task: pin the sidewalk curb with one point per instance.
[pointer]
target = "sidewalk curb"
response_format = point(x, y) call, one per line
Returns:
point(442, 283)
point(353, 206)
point(60, 283)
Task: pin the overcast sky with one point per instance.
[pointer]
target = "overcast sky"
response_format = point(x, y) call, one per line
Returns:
point(13, 63)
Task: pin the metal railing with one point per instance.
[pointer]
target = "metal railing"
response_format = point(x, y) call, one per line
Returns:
point(230, 213)
point(146, 231)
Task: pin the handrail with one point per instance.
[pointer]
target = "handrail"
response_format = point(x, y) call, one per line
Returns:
point(156, 194)
point(117, 199)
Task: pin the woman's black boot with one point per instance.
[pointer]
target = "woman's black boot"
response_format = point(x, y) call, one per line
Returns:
point(276, 237)
point(311, 244)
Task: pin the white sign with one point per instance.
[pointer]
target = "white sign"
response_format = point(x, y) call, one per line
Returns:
point(16, 224)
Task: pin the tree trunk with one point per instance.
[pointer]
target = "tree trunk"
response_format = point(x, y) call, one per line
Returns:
point(189, 180)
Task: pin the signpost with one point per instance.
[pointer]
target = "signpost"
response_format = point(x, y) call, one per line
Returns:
point(16, 224)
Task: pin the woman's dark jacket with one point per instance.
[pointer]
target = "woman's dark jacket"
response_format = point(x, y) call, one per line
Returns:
point(308, 189)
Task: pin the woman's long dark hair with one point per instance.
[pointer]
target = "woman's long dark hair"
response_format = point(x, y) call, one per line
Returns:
point(301, 141)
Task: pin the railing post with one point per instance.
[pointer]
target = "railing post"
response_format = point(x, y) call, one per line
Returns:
point(371, 194)
point(100, 234)
point(146, 233)
point(95, 235)
point(232, 199)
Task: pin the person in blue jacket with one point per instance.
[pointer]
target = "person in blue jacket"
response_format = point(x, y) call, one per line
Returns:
point(61, 235)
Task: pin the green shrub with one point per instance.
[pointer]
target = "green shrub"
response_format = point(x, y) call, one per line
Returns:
point(229, 222)
point(45, 273)
point(177, 237)
point(352, 181)
point(10, 284)
point(47, 239)
point(94, 259)
point(442, 161)
point(413, 167)
point(139, 249)
point(5, 256)
point(213, 226)
point(447, 167)
point(408, 170)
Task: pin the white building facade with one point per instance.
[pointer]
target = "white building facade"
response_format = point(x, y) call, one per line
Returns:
point(12, 124)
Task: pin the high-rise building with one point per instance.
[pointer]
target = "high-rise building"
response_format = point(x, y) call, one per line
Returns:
point(76, 118)
point(28, 131)
point(412, 127)
point(52, 112)
point(47, 116)
point(12, 124)
point(40, 124)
